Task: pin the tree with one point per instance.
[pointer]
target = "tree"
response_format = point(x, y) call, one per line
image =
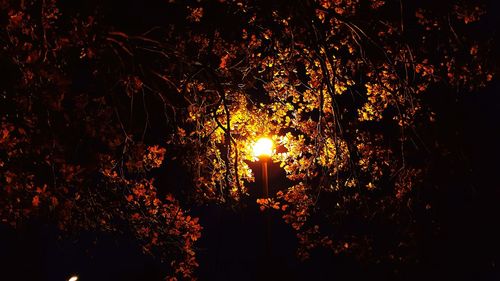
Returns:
point(92, 106)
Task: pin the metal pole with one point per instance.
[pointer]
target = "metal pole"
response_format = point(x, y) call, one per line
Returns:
point(265, 191)
point(265, 180)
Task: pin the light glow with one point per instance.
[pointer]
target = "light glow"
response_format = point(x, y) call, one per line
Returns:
point(73, 278)
point(263, 148)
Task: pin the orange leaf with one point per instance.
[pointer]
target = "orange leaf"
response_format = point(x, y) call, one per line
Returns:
point(35, 201)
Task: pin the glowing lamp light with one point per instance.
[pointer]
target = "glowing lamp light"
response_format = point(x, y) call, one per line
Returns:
point(73, 278)
point(263, 148)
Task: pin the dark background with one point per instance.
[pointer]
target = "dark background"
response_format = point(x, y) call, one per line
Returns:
point(233, 246)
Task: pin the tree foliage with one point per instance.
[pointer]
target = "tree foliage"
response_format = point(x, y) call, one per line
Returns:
point(91, 108)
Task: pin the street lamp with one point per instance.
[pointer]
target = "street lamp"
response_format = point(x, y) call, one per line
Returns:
point(263, 149)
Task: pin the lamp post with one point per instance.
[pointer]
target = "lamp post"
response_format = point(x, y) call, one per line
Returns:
point(263, 150)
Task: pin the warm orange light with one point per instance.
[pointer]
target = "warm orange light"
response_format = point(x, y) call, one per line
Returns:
point(263, 148)
point(73, 278)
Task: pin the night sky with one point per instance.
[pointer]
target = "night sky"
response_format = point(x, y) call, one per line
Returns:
point(246, 245)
